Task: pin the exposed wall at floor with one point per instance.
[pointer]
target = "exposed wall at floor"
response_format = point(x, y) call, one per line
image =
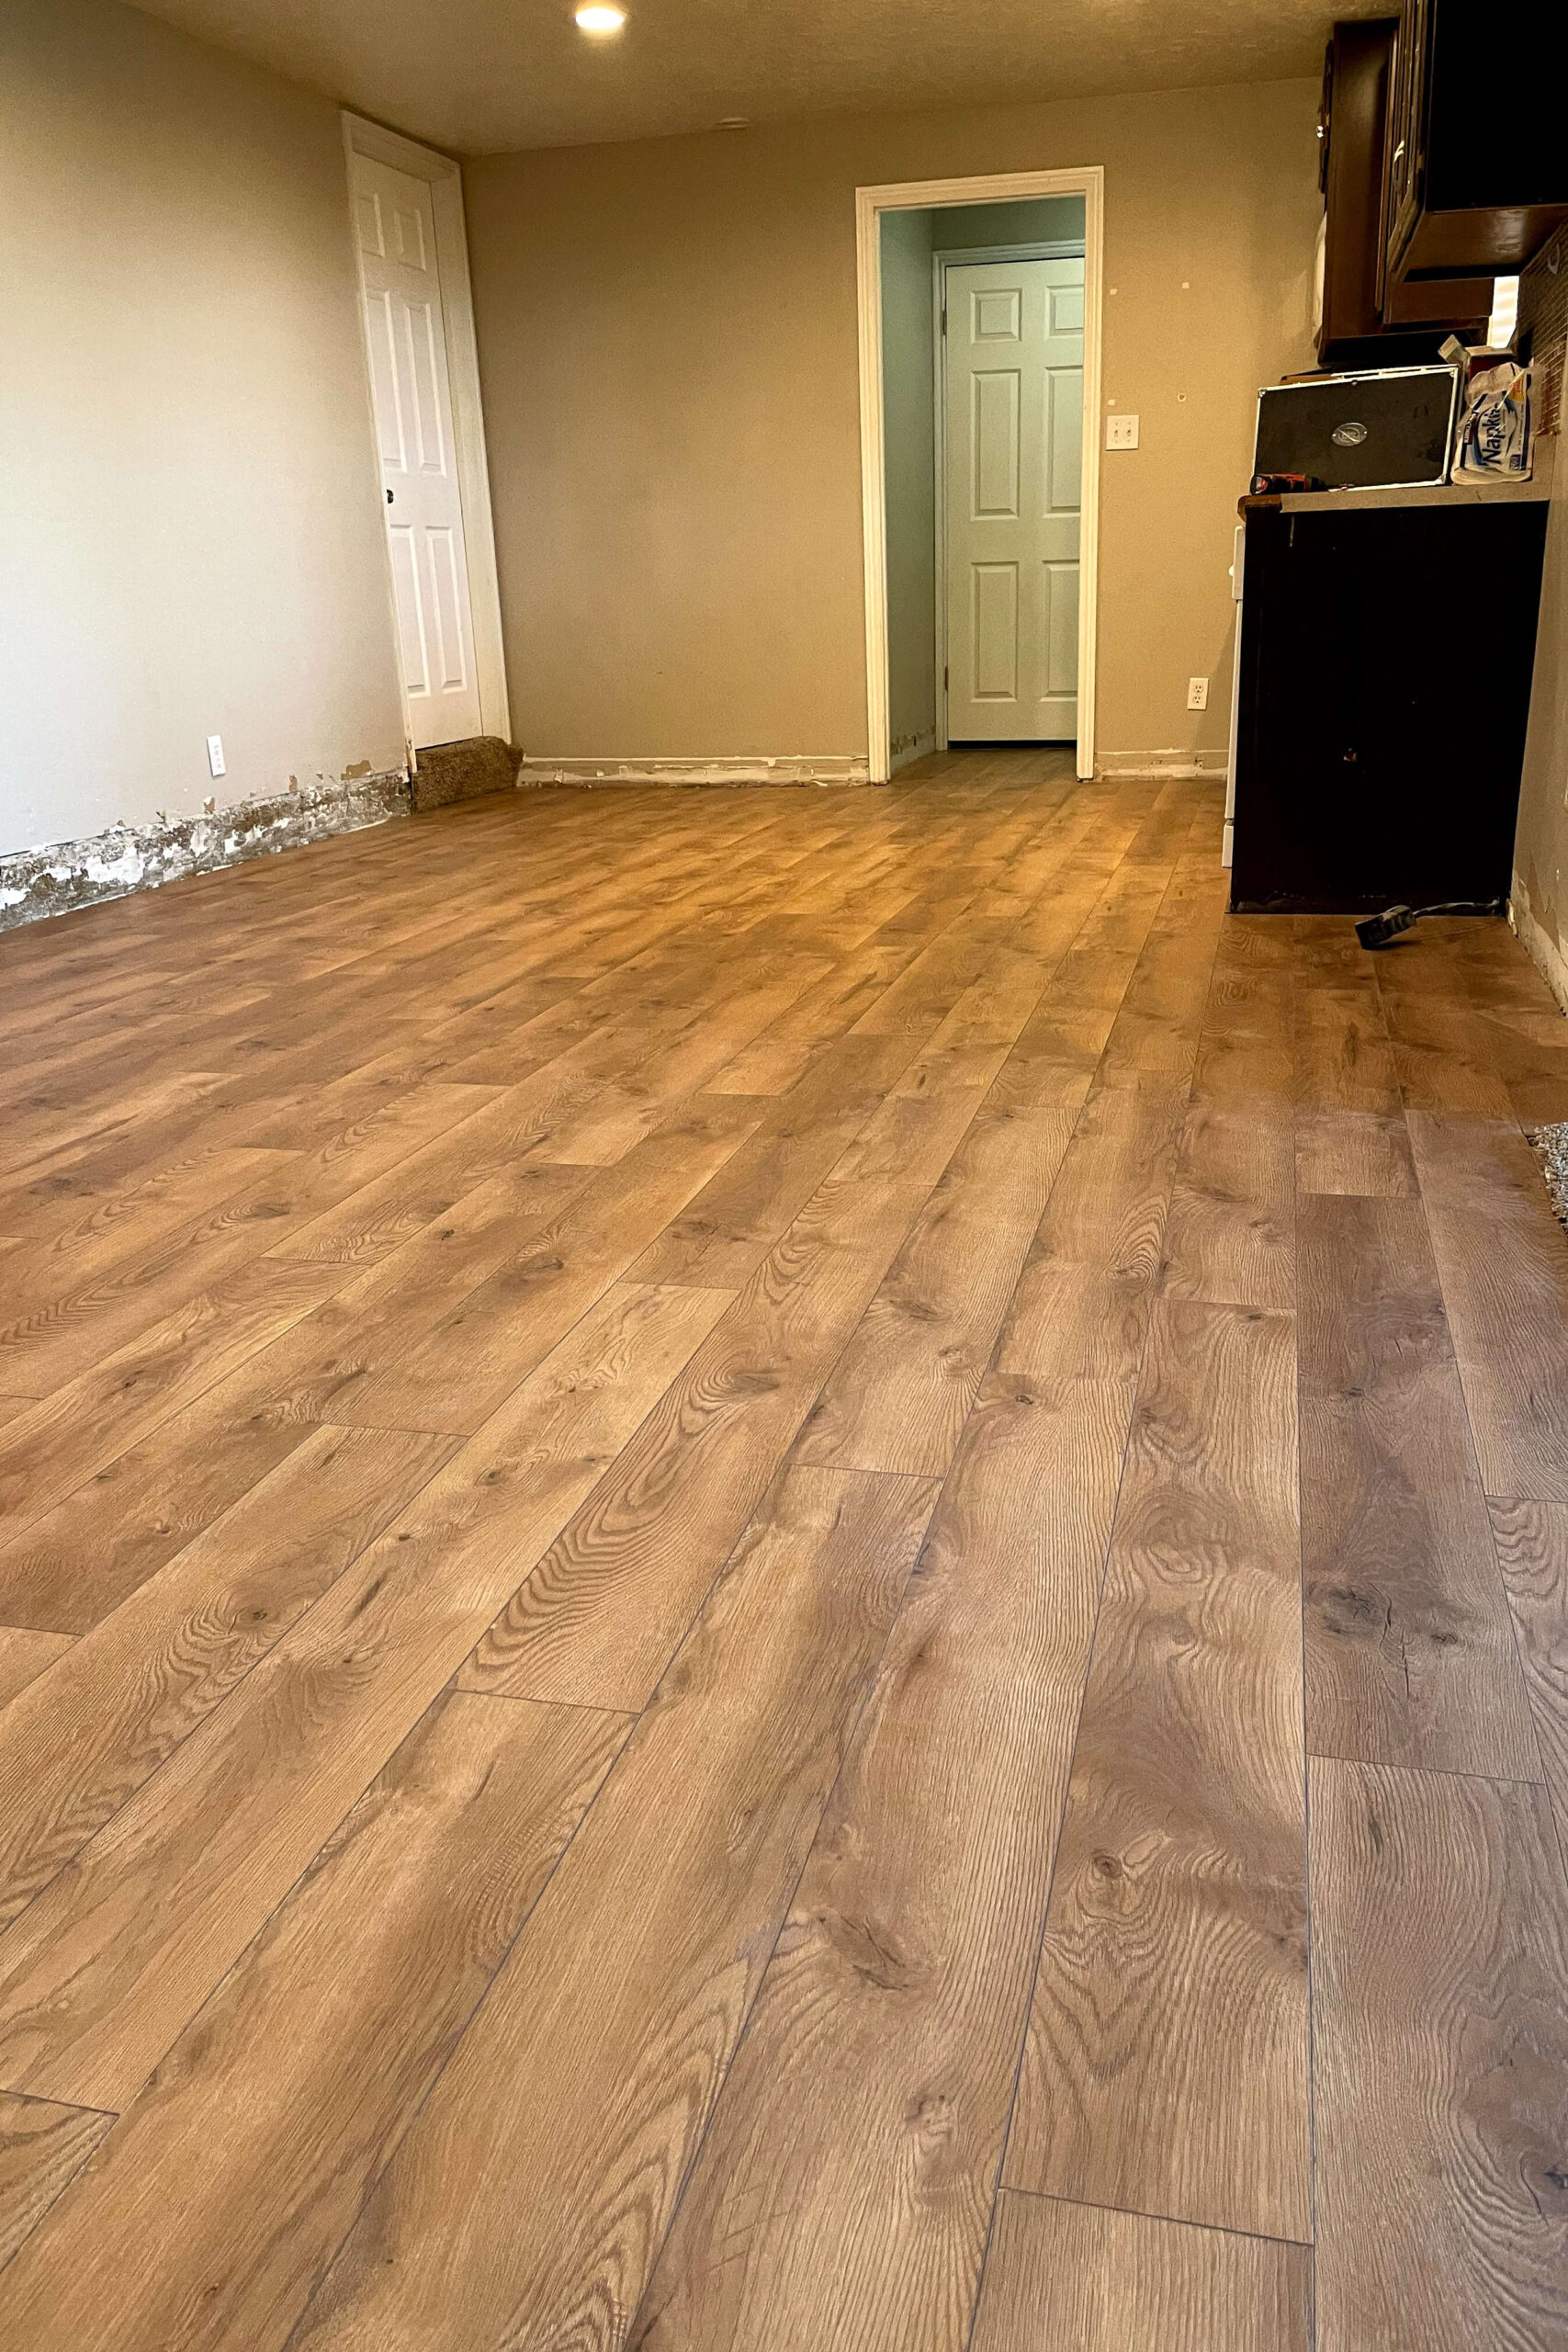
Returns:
point(1540, 850)
point(909, 367)
point(668, 346)
point(191, 520)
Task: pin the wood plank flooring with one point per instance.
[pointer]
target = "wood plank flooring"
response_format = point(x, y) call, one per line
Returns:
point(780, 1571)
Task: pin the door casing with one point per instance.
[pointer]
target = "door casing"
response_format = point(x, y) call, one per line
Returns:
point(911, 195)
point(444, 176)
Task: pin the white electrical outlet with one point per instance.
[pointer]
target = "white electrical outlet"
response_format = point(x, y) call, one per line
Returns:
point(1197, 693)
point(1121, 432)
point(215, 754)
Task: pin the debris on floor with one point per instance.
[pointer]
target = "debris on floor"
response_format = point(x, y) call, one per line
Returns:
point(1551, 1147)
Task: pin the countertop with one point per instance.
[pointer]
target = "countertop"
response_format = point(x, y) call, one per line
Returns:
point(1451, 493)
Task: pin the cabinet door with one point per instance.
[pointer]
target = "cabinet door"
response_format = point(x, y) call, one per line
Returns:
point(1385, 681)
point(1355, 100)
point(1401, 205)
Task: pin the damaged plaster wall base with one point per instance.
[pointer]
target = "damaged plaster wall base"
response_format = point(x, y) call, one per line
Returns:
point(780, 768)
point(66, 875)
point(1538, 943)
point(1111, 765)
point(1550, 1147)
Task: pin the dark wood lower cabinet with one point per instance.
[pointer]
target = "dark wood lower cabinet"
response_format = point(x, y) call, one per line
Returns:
point(1385, 657)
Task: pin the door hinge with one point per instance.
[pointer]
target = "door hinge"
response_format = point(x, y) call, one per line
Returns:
point(945, 678)
point(944, 317)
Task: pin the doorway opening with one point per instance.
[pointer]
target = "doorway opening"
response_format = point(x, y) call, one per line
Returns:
point(980, 312)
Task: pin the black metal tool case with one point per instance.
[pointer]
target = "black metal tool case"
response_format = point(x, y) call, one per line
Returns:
point(1382, 697)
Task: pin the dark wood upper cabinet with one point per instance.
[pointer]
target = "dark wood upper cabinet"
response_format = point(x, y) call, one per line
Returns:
point(1476, 175)
point(1353, 124)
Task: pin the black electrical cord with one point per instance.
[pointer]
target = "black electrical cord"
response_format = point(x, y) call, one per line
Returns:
point(1376, 931)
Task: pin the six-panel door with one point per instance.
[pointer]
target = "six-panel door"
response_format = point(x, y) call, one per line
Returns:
point(412, 401)
point(1014, 463)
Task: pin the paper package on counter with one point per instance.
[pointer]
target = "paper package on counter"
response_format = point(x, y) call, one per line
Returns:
point(1495, 429)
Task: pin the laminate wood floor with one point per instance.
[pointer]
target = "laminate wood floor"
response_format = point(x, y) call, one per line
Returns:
point(782, 1571)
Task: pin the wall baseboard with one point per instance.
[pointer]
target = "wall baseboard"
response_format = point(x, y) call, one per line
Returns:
point(786, 768)
point(1173, 764)
point(63, 875)
point(1543, 951)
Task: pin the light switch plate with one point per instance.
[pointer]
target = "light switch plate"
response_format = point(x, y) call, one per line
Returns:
point(1121, 432)
point(215, 754)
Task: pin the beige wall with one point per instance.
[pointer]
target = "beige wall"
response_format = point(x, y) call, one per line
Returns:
point(1540, 853)
point(668, 346)
point(192, 533)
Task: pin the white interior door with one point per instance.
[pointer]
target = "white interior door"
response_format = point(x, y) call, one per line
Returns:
point(1014, 463)
point(412, 401)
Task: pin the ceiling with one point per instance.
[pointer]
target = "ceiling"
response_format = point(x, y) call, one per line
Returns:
point(482, 76)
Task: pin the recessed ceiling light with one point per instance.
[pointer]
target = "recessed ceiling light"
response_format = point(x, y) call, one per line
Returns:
point(600, 19)
point(733, 122)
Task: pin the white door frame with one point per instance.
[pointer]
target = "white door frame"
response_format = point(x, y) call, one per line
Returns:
point(914, 196)
point(445, 179)
point(944, 258)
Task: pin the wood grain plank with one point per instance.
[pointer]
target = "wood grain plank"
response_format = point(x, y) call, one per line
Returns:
point(599, 1619)
point(24, 1654)
point(377, 1316)
point(1532, 1552)
point(43, 2148)
point(1444, 1060)
point(44, 1184)
point(79, 1561)
point(86, 1734)
point(79, 1429)
point(845, 2184)
point(558, 2136)
point(481, 1150)
point(639, 1097)
point(1230, 1233)
point(1503, 1259)
point(1410, 1655)
point(723, 1234)
point(100, 1973)
point(1350, 1130)
point(230, 2181)
point(1439, 1952)
point(87, 1238)
point(899, 1396)
point(1354, 1151)
point(1078, 2276)
point(781, 1058)
point(1165, 2066)
point(455, 1372)
point(91, 1311)
point(1109, 1204)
